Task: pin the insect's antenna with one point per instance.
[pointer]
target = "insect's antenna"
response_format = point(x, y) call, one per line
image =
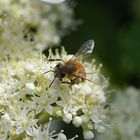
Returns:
point(52, 82)
point(49, 71)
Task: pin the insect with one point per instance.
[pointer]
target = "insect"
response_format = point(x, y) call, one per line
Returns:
point(73, 69)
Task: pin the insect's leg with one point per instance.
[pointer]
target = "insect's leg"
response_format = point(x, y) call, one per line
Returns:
point(49, 71)
point(100, 82)
point(52, 82)
point(83, 77)
point(86, 79)
point(66, 82)
point(76, 80)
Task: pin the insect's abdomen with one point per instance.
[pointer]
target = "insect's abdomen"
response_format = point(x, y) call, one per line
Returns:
point(80, 70)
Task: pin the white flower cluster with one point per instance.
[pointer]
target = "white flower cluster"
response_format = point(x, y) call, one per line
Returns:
point(45, 22)
point(12, 41)
point(125, 116)
point(25, 96)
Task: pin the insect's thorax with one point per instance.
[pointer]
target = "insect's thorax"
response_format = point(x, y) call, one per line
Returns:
point(73, 67)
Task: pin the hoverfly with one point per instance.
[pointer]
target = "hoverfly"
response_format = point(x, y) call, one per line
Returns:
point(73, 69)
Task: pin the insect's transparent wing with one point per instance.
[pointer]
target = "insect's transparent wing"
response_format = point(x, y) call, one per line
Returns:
point(85, 49)
point(100, 79)
point(96, 78)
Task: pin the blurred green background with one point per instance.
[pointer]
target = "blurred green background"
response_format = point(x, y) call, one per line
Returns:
point(115, 27)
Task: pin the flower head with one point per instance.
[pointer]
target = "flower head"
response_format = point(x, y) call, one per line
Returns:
point(14, 44)
point(43, 23)
point(125, 116)
point(27, 94)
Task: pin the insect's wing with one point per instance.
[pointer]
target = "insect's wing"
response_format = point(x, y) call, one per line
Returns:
point(96, 78)
point(85, 49)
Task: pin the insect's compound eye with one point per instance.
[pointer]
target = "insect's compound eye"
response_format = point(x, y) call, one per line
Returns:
point(60, 70)
point(58, 66)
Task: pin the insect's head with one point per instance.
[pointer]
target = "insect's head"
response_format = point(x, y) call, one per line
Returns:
point(60, 71)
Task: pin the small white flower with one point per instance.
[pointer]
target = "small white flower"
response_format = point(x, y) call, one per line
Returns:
point(88, 135)
point(67, 117)
point(5, 126)
point(43, 133)
point(44, 102)
point(30, 86)
point(100, 128)
point(100, 95)
point(77, 121)
point(61, 136)
point(24, 121)
point(6, 117)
